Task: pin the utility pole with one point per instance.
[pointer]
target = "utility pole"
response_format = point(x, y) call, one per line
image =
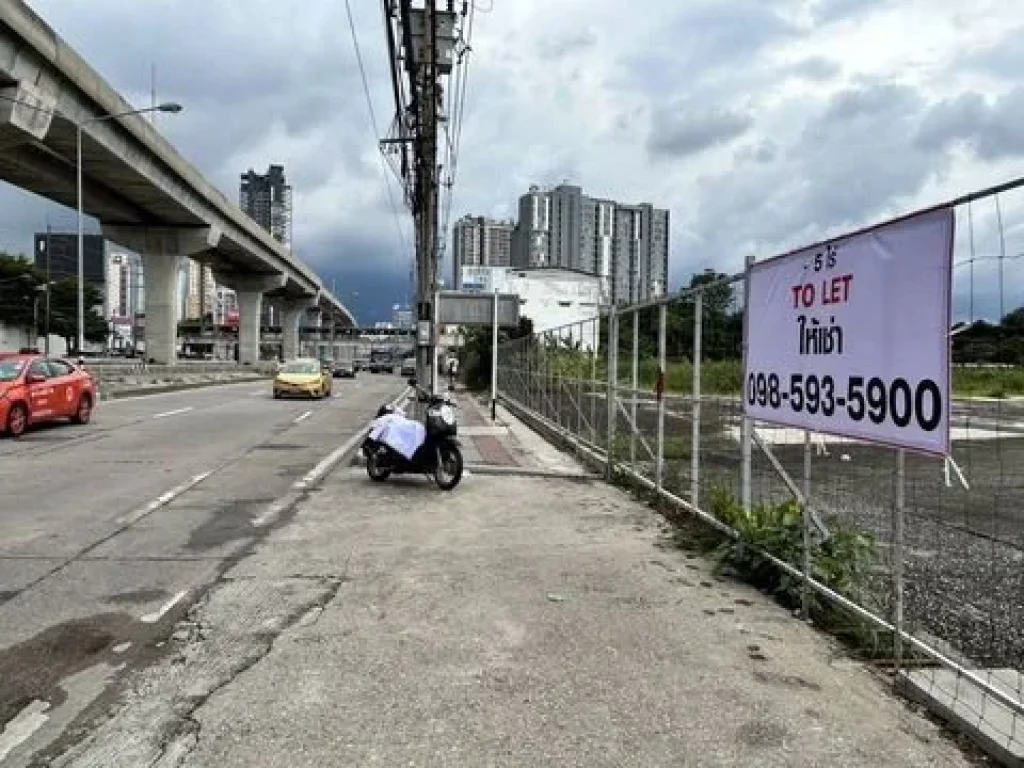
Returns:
point(420, 41)
point(49, 285)
point(426, 182)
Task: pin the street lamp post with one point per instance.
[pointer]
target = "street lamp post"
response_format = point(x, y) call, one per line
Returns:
point(166, 107)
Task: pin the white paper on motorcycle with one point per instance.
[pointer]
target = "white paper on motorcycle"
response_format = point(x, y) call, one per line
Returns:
point(852, 338)
point(399, 433)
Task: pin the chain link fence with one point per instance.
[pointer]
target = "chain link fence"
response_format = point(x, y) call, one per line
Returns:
point(919, 559)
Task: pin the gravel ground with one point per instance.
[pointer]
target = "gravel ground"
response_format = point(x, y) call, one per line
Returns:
point(964, 563)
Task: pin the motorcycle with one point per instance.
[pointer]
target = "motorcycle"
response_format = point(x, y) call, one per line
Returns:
point(437, 456)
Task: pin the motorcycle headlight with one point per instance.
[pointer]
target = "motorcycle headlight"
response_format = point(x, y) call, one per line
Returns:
point(447, 415)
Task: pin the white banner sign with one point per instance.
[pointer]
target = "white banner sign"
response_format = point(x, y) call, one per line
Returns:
point(852, 338)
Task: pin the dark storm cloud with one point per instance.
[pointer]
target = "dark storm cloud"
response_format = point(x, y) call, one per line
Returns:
point(828, 11)
point(240, 68)
point(704, 39)
point(852, 163)
point(686, 128)
point(992, 128)
point(817, 68)
point(1005, 59)
point(762, 152)
point(247, 71)
point(554, 47)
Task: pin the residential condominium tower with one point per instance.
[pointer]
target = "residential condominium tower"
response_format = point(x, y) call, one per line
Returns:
point(480, 242)
point(267, 200)
point(625, 245)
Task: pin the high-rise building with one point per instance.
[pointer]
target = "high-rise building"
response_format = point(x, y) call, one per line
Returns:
point(56, 254)
point(267, 199)
point(201, 292)
point(480, 242)
point(625, 245)
point(401, 317)
point(226, 309)
point(124, 285)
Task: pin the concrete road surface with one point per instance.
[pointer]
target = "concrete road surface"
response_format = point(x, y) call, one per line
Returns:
point(514, 622)
point(109, 532)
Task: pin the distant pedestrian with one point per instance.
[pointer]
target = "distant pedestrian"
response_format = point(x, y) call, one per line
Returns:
point(453, 371)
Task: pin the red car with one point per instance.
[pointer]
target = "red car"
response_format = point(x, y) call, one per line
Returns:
point(35, 388)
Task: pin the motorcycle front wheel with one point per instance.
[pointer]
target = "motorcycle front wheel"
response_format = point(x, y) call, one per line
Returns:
point(375, 469)
point(448, 471)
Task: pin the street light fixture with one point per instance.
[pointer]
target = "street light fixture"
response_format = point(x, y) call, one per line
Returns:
point(170, 107)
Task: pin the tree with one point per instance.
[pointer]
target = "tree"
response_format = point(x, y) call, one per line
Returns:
point(64, 313)
point(18, 282)
point(475, 355)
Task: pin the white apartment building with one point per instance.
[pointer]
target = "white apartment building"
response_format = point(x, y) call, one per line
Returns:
point(561, 300)
point(479, 241)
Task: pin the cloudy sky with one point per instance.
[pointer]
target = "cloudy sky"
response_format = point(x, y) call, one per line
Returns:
point(761, 124)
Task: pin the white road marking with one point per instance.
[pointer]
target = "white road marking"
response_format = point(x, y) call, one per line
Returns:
point(328, 461)
point(274, 511)
point(153, 618)
point(121, 647)
point(324, 466)
point(23, 725)
point(303, 417)
point(175, 412)
point(162, 500)
point(175, 393)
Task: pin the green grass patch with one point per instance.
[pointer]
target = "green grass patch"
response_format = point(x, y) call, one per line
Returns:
point(988, 382)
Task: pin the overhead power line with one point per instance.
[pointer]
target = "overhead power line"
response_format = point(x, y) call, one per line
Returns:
point(385, 165)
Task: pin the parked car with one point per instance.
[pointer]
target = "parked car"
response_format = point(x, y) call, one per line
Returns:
point(35, 389)
point(409, 366)
point(381, 363)
point(344, 369)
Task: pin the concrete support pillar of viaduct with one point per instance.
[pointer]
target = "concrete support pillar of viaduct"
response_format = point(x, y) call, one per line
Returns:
point(163, 251)
point(293, 317)
point(249, 290)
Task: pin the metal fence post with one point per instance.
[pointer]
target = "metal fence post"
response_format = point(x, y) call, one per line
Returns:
point(698, 331)
point(635, 385)
point(659, 469)
point(494, 360)
point(595, 325)
point(897, 557)
point(747, 430)
point(612, 393)
point(578, 373)
point(547, 376)
point(805, 591)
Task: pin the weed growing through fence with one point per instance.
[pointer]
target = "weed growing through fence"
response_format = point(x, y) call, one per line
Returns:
point(842, 562)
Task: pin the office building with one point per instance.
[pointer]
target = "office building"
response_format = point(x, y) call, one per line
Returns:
point(267, 200)
point(479, 241)
point(226, 308)
point(625, 245)
point(563, 301)
point(56, 254)
point(125, 289)
point(200, 298)
point(401, 317)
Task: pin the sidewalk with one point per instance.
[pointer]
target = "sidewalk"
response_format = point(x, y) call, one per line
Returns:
point(505, 445)
point(518, 621)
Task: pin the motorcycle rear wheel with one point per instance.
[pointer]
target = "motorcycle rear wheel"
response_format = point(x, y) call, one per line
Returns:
point(448, 471)
point(375, 470)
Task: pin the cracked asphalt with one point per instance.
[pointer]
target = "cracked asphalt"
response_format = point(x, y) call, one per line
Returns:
point(518, 621)
point(110, 534)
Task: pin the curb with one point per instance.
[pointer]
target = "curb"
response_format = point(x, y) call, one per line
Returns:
point(503, 470)
point(345, 452)
point(182, 387)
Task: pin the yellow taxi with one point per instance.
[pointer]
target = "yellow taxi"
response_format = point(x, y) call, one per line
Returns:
point(302, 377)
